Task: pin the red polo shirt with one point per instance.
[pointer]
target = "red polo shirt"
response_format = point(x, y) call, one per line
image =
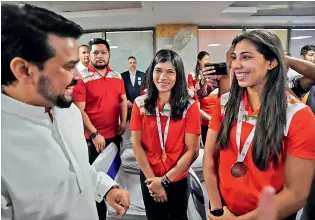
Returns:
point(175, 144)
point(241, 194)
point(102, 97)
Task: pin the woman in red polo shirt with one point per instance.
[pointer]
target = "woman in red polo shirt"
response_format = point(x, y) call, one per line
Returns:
point(259, 135)
point(206, 103)
point(165, 134)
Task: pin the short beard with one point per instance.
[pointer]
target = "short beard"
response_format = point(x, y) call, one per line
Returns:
point(99, 67)
point(44, 90)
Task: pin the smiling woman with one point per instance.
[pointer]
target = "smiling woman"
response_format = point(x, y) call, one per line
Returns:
point(265, 136)
point(165, 130)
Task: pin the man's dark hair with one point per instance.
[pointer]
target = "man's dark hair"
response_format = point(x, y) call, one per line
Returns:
point(95, 41)
point(307, 48)
point(83, 45)
point(131, 57)
point(24, 33)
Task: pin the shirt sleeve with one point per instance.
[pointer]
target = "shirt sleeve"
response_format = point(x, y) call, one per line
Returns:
point(216, 117)
point(136, 119)
point(295, 86)
point(190, 81)
point(301, 135)
point(102, 183)
point(79, 92)
point(211, 84)
point(122, 86)
point(193, 120)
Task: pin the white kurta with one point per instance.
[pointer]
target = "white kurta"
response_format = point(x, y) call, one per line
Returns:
point(45, 169)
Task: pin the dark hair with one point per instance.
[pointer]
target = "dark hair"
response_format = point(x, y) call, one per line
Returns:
point(131, 57)
point(95, 41)
point(271, 121)
point(179, 94)
point(144, 82)
point(24, 33)
point(201, 55)
point(307, 48)
point(83, 45)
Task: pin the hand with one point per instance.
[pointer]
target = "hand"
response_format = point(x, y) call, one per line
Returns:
point(129, 104)
point(160, 196)
point(154, 184)
point(267, 204)
point(99, 142)
point(207, 72)
point(121, 128)
point(119, 200)
point(227, 215)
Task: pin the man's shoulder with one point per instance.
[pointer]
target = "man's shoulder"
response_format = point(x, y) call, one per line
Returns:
point(124, 74)
point(140, 72)
point(114, 74)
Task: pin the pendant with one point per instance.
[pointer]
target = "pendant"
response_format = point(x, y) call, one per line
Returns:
point(164, 156)
point(238, 170)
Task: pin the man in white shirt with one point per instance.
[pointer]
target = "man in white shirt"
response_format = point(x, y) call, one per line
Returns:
point(45, 170)
point(84, 62)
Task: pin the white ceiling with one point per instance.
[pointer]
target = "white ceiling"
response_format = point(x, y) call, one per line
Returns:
point(138, 14)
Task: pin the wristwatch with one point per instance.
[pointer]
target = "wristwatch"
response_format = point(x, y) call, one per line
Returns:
point(217, 212)
point(94, 134)
point(165, 181)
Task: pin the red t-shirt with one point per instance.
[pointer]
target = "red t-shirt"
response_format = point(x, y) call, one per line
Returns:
point(102, 97)
point(207, 104)
point(241, 194)
point(175, 144)
point(191, 81)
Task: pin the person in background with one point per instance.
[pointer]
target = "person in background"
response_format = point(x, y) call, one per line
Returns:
point(84, 62)
point(102, 101)
point(132, 79)
point(206, 103)
point(165, 133)
point(259, 135)
point(45, 172)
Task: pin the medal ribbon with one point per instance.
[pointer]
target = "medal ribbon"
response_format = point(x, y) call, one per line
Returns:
point(158, 120)
point(241, 156)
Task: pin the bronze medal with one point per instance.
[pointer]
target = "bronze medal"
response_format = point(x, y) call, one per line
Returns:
point(238, 170)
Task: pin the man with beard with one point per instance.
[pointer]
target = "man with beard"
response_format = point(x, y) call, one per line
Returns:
point(101, 97)
point(84, 62)
point(45, 169)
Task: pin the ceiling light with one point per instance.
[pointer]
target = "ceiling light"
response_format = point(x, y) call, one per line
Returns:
point(113, 47)
point(213, 45)
point(250, 10)
point(300, 37)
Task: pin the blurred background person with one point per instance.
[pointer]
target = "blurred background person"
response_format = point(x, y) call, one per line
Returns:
point(132, 80)
point(84, 62)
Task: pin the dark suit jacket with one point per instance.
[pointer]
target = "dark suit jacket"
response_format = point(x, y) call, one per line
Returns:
point(132, 92)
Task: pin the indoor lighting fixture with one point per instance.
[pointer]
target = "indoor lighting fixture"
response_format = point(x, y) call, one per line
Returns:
point(300, 37)
point(213, 45)
point(113, 47)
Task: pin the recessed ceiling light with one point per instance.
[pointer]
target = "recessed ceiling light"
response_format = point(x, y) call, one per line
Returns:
point(300, 37)
point(113, 47)
point(213, 45)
